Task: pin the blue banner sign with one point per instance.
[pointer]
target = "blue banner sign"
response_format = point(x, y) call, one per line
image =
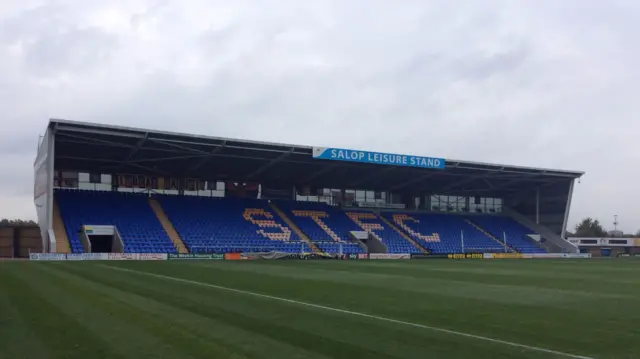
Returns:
point(339, 154)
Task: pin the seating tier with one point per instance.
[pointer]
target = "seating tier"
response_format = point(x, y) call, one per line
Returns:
point(516, 233)
point(131, 213)
point(444, 233)
point(230, 225)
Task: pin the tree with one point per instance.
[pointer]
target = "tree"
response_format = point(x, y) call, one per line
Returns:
point(638, 233)
point(589, 227)
point(17, 223)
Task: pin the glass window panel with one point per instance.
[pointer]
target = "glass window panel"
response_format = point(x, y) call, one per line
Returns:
point(371, 196)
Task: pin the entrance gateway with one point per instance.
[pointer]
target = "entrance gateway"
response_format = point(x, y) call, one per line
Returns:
point(101, 239)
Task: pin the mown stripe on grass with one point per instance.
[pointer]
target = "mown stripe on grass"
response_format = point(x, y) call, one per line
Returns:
point(479, 287)
point(17, 339)
point(103, 315)
point(322, 329)
point(318, 335)
point(363, 315)
point(64, 336)
point(191, 333)
point(517, 276)
point(434, 305)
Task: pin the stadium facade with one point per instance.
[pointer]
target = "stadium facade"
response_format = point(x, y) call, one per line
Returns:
point(409, 194)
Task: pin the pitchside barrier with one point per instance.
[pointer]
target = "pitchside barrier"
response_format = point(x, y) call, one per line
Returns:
point(628, 255)
point(98, 256)
point(288, 256)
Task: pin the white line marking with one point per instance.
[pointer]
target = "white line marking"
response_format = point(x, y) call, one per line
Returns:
point(358, 314)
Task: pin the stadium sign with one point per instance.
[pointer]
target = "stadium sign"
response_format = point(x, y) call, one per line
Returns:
point(339, 154)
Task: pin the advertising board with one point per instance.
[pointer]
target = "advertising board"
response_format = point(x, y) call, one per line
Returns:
point(233, 256)
point(559, 255)
point(304, 256)
point(507, 255)
point(88, 256)
point(189, 256)
point(47, 256)
point(576, 255)
point(153, 256)
point(465, 256)
point(123, 256)
point(428, 256)
point(389, 256)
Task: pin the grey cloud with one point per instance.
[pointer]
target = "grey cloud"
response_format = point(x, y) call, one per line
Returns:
point(479, 66)
point(54, 53)
point(18, 144)
point(15, 179)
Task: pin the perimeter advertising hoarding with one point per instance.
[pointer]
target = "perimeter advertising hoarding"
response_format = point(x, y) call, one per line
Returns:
point(389, 256)
point(97, 256)
point(428, 256)
point(341, 154)
point(47, 256)
point(465, 256)
point(217, 256)
point(88, 256)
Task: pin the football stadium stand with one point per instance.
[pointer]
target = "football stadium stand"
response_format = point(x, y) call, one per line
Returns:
point(164, 192)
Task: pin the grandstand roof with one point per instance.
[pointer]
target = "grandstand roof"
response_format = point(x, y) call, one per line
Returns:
point(114, 149)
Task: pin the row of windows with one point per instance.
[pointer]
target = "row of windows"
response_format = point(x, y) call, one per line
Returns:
point(465, 204)
point(331, 196)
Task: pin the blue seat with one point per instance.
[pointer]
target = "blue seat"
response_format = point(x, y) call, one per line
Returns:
point(310, 217)
point(229, 225)
point(444, 233)
point(131, 213)
point(515, 233)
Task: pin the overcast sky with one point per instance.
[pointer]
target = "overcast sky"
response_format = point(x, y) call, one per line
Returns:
point(540, 83)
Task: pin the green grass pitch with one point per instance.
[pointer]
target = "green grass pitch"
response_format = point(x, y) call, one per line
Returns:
point(320, 309)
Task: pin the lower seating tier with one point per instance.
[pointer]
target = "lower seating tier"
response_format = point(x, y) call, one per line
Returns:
point(130, 213)
point(208, 224)
point(230, 225)
point(517, 235)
